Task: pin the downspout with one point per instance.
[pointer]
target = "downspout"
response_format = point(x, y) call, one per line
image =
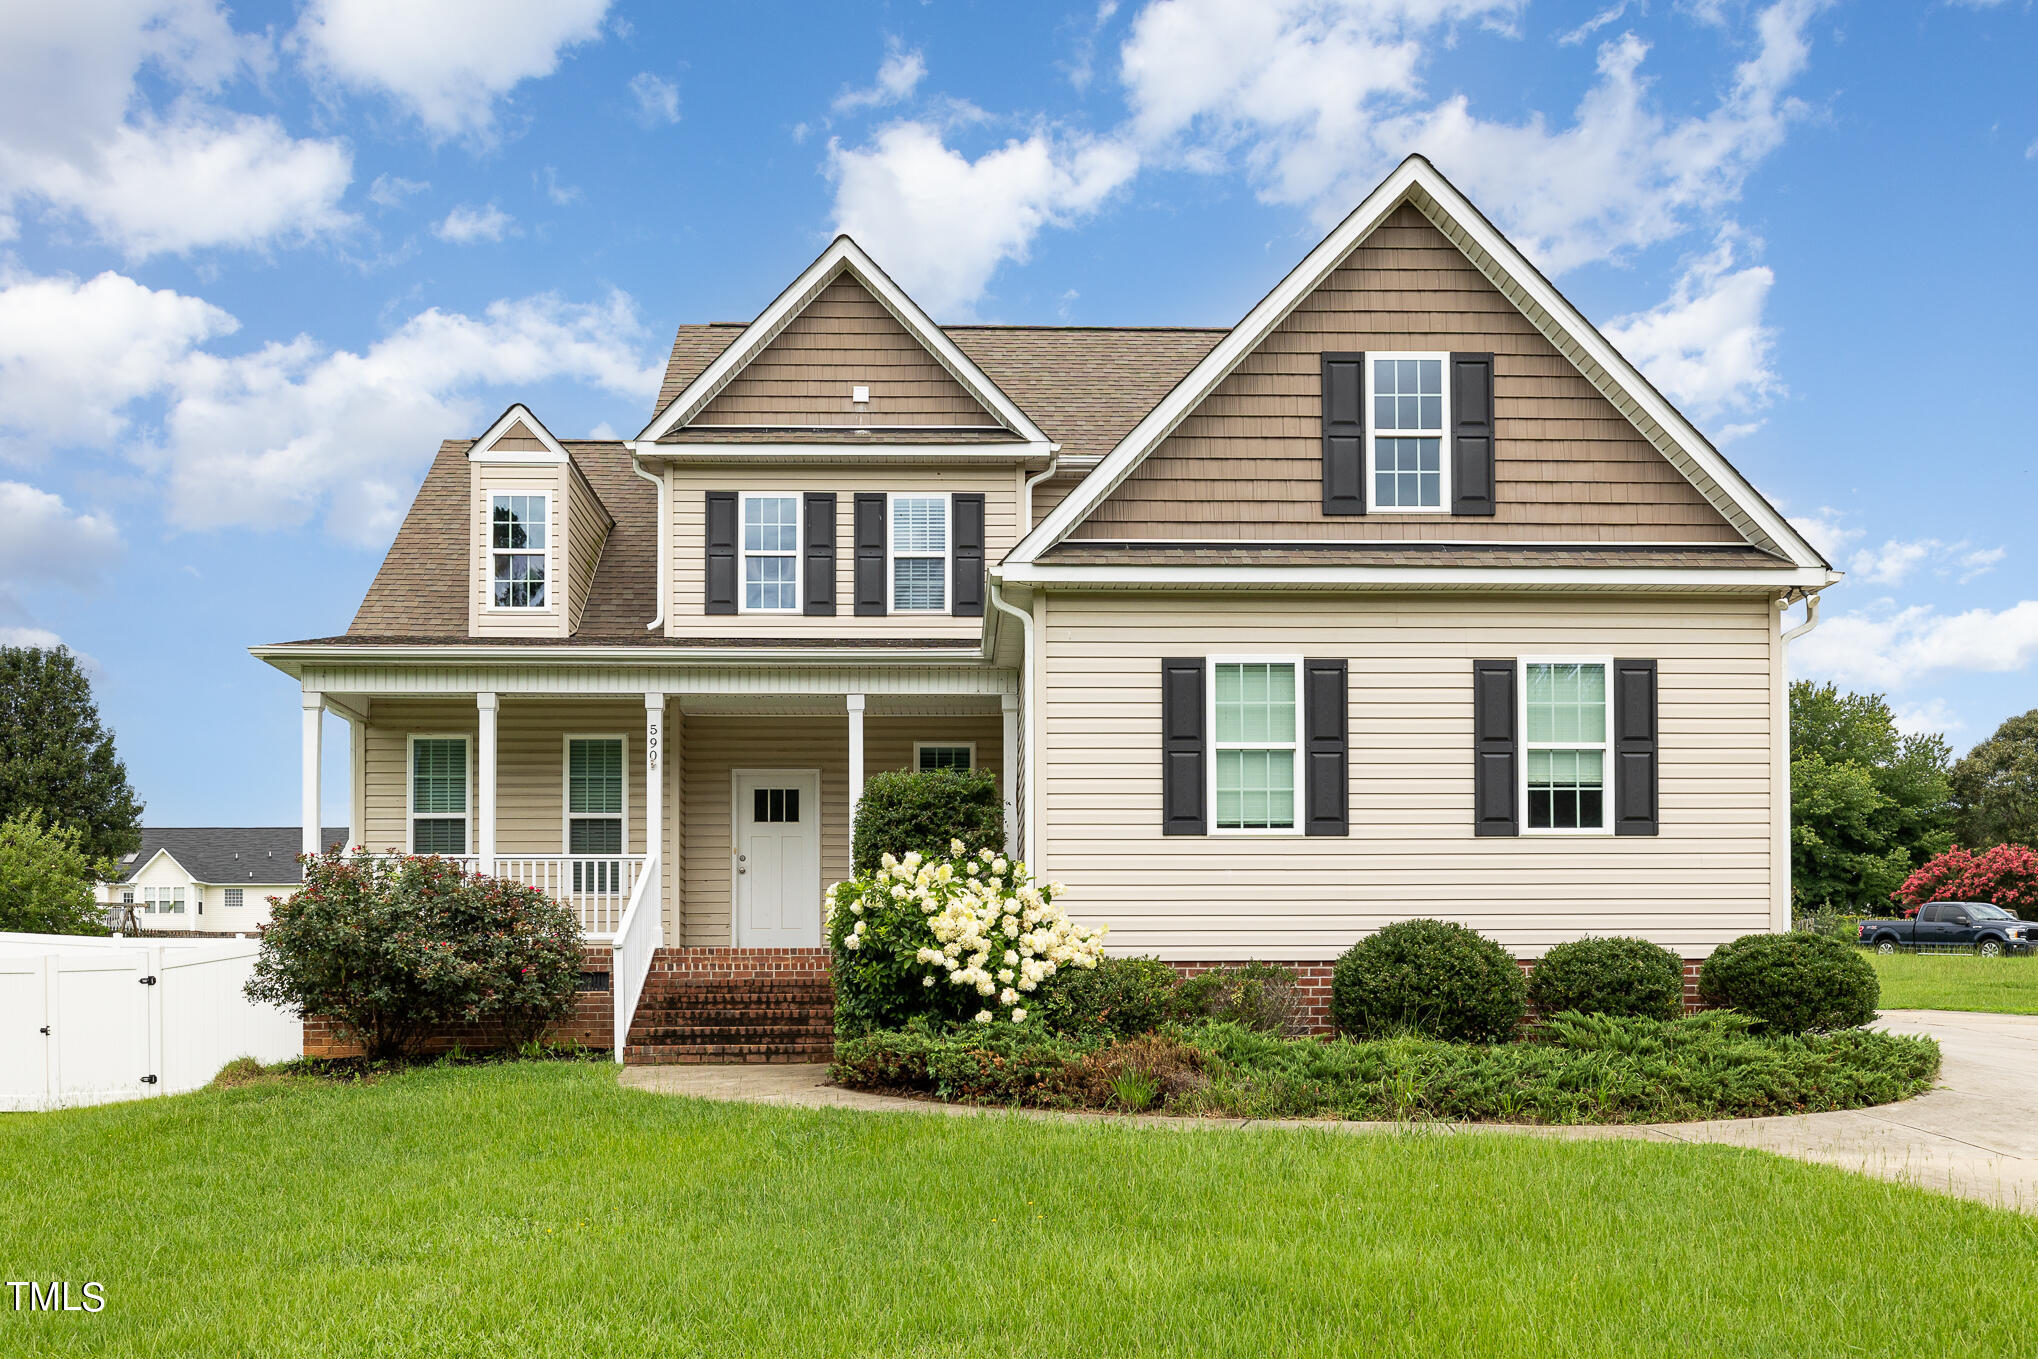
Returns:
point(657, 619)
point(1811, 620)
point(1030, 740)
point(1026, 491)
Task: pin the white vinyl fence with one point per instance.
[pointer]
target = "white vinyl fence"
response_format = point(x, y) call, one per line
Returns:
point(90, 1021)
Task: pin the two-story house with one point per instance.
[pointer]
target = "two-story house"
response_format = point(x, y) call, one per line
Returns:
point(1405, 595)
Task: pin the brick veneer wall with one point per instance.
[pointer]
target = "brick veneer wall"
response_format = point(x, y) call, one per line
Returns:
point(722, 964)
point(592, 1023)
point(1315, 987)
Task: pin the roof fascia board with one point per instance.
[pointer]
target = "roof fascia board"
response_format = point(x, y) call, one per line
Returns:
point(484, 450)
point(1416, 181)
point(841, 254)
point(1400, 577)
point(820, 455)
point(162, 852)
point(285, 654)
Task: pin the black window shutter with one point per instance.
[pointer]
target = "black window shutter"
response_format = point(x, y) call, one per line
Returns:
point(1634, 748)
point(1494, 751)
point(1472, 434)
point(1182, 746)
point(721, 538)
point(1344, 434)
point(967, 511)
point(1325, 781)
point(870, 553)
point(818, 550)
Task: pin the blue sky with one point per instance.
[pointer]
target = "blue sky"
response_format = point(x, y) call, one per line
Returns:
point(255, 264)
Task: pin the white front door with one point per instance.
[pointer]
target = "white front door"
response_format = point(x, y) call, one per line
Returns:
point(778, 858)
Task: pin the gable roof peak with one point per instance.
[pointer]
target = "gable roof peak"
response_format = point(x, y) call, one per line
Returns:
point(517, 436)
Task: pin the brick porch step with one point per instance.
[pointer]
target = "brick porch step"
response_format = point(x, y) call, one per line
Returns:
point(698, 1054)
point(769, 1017)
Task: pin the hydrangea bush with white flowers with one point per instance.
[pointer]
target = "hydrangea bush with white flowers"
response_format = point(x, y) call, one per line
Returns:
point(966, 937)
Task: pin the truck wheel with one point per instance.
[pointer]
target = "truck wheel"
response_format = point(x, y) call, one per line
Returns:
point(1885, 946)
point(1990, 948)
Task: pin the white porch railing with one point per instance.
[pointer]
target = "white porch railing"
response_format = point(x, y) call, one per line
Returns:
point(636, 941)
point(596, 887)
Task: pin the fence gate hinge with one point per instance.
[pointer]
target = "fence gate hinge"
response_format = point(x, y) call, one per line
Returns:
point(148, 981)
point(45, 1030)
point(148, 1080)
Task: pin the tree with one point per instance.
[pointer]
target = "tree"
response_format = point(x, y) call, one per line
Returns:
point(1995, 786)
point(1867, 804)
point(46, 880)
point(55, 756)
point(2006, 876)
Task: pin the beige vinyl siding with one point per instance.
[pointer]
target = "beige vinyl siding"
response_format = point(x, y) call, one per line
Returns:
point(844, 338)
point(489, 480)
point(391, 723)
point(586, 529)
point(687, 498)
point(1713, 873)
point(717, 746)
point(1247, 463)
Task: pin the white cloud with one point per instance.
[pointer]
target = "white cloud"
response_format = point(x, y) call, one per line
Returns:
point(79, 137)
point(47, 540)
point(1610, 15)
point(389, 191)
point(657, 99)
point(897, 76)
point(1825, 531)
point(466, 225)
point(1933, 716)
point(1897, 559)
point(277, 435)
point(74, 355)
point(941, 223)
point(41, 637)
point(1980, 562)
point(561, 195)
point(448, 63)
point(1887, 648)
point(1706, 347)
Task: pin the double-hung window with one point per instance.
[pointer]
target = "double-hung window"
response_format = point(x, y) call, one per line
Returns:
point(438, 795)
point(164, 900)
point(1253, 726)
point(594, 810)
point(1406, 438)
point(771, 553)
point(1565, 725)
point(519, 535)
point(919, 529)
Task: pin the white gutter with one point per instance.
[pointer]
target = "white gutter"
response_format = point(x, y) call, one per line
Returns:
point(287, 653)
point(1031, 740)
point(657, 619)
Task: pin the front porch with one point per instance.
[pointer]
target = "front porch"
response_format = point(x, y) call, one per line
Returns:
point(677, 826)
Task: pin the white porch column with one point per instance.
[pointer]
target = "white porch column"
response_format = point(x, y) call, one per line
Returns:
point(1008, 772)
point(484, 754)
point(314, 772)
point(654, 776)
point(357, 781)
point(855, 703)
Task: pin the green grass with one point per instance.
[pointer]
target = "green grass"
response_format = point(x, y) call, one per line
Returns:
point(1958, 981)
point(539, 1209)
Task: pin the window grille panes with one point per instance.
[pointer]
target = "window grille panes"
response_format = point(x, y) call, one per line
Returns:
point(1565, 734)
point(518, 529)
point(1408, 400)
point(1408, 395)
point(1254, 736)
point(594, 791)
point(775, 806)
point(235, 897)
point(919, 526)
point(771, 540)
point(944, 757)
point(439, 796)
point(1408, 472)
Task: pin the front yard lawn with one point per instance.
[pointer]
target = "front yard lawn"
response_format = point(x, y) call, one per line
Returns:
point(1958, 981)
point(539, 1209)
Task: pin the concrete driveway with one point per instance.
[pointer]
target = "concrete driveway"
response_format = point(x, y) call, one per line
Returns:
point(1975, 1134)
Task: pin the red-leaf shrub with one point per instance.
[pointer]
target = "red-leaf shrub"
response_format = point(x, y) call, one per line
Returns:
point(2006, 876)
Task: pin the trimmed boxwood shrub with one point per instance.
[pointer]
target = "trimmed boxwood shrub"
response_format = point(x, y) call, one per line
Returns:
point(1122, 996)
point(1617, 976)
point(902, 811)
point(1431, 977)
point(1794, 983)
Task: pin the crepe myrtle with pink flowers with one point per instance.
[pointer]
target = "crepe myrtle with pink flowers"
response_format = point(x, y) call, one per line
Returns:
point(966, 937)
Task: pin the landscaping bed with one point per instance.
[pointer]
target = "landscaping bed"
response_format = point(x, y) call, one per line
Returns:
point(1575, 1069)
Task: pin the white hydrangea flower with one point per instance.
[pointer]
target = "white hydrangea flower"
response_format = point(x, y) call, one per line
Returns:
point(985, 1016)
point(1018, 1016)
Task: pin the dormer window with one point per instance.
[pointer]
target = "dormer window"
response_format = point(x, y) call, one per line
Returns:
point(771, 553)
point(520, 540)
point(1406, 452)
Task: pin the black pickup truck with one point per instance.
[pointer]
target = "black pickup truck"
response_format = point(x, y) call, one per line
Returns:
point(1989, 930)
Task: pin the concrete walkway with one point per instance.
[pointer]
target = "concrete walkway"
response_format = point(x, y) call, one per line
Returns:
point(1975, 1134)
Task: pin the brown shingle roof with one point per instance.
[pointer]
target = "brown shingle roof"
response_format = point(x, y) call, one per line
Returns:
point(423, 583)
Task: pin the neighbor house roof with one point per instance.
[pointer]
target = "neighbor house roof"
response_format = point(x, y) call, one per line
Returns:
point(225, 855)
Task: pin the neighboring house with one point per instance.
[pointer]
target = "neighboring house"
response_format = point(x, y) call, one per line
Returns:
point(210, 879)
point(1406, 595)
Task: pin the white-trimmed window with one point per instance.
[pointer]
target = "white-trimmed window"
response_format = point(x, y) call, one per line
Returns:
point(919, 553)
point(1405, 441)
point(1566, 722)
point(163, 900)
point(771, 553)
point(520, 537)
point(931, 755)
point(1254, 721)
point(438, 795)
point(234, 898)
point(597, 810)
